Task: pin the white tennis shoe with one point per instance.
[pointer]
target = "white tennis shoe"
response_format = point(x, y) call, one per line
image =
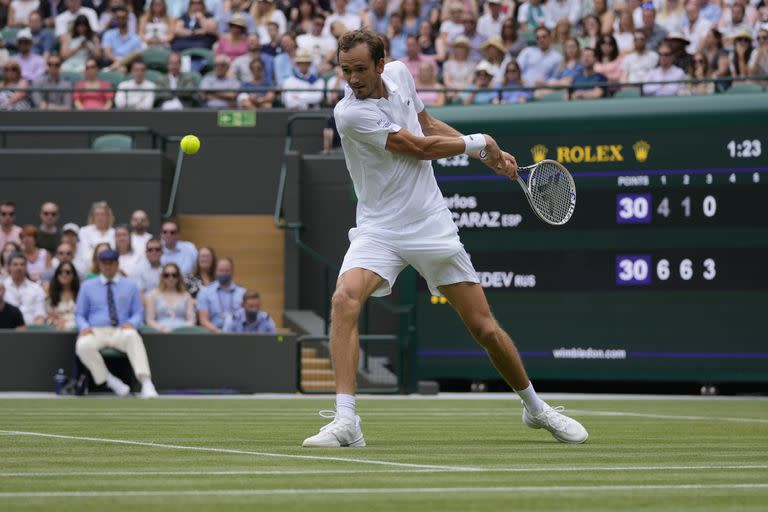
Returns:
point(343, 431)
point(562, 428)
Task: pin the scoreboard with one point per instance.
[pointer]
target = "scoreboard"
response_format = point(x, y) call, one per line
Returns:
point(661, 273)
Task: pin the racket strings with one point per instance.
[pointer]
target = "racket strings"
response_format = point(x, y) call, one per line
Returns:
point(551, 192)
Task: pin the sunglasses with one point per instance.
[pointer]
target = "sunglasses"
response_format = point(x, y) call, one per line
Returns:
point(65, 273)
point(762, 38)
point(154, 249)
point(51, 214)
point(54, 64)
point(665, 54)
point(7, 214)
point(169, 231)
point(12, 68)
point(170, 274)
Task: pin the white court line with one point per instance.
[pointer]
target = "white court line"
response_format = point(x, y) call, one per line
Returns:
point(717, 419)
point(239, 452)
point(378, 490)
point(246, 472)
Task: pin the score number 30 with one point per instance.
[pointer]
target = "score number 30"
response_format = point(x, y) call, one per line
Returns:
point(634, 270)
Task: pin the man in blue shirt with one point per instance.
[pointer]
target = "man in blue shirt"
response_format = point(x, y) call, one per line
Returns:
point(218, 303)
point(250, 318)
point(119, 44)
point(586, 85)
point(183, 254)
point(108, 313)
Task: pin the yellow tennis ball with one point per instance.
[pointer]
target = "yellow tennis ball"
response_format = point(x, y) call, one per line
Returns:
point(190, 144)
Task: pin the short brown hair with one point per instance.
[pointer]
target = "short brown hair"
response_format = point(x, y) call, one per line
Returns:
point(367, 37)
point(29, 230)
point(251, 295)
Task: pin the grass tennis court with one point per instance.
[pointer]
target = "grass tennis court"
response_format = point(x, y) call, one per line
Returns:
point(422, 454)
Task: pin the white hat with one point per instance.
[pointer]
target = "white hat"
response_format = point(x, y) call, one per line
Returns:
point(24, 33)
point(71, 226)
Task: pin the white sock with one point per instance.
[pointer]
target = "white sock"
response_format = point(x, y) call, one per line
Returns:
point(532, 402)
point(345, 405)
point(144, 379)
point(113, 382)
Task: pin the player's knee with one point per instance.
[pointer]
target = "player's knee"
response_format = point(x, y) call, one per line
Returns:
point(485, 331)
point(344, 304)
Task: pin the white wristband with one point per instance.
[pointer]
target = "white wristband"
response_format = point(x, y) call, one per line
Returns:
point(474, 142)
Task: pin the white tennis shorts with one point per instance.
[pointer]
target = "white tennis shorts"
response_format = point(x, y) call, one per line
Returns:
point(432, 246)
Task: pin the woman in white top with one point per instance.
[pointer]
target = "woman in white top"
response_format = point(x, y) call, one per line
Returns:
point(458, 70)
point(170, 306)
point(38, 260)
point(625, 32)
point(62, 292)
point(98, 230)
point(156, 27)
point(18, 14)
point(265, 11)
point(129, 259)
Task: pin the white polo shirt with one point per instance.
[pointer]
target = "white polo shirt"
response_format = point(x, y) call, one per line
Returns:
point(392, 189)
point(29, 298)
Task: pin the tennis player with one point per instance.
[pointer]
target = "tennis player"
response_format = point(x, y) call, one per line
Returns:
point(389, 140)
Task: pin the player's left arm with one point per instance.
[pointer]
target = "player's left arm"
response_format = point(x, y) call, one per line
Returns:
point(432, 126)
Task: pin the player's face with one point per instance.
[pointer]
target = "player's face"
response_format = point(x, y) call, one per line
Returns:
point(360, 71)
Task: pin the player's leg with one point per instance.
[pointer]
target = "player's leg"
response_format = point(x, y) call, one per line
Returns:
point(353, 288)
point(469, 301)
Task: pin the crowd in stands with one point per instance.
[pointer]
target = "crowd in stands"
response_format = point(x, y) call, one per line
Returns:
point(45, 271)
point(252, 54)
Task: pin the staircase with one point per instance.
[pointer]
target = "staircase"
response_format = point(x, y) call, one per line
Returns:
point(316, 371)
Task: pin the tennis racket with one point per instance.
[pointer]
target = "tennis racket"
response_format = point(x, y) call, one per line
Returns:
point(550, 191)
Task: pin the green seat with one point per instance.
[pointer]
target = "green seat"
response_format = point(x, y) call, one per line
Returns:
point(197, 77)
point(156, 58)
point(40, 328)
point(110, 352)
point(112, 142)
point(154, 76)
point(9, 34)
point(744, 88)
point(552, 97)
point(72, 76)
point(113, 77)
point(201, 54)
point(148, 329)
point(628, 92)
point(190, 329)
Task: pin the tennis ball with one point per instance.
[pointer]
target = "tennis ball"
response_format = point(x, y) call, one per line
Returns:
point(190, 144)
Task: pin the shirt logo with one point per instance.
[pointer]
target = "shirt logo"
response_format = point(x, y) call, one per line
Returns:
point(384, 123)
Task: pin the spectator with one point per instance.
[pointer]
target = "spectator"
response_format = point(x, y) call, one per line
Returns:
point(625, 34)
point(476, 39)
point(671, 15)
point(513, 43)
point(250, 318)
point(590, 31)
point(350, 20)
point(694, 26)
point(257, 92)
point(539, 63)
point(9, 232)
point(107, 18)
point(302, 16)
point(4, 54)
point(458, 70)
point(410, 10)
point(427, 44)
point(736, 24)
point(710, 11)
point(739, 15)
point(465, 5)
point(10, 315)
point(98, 230)
point(273, 40)
point(204, 273)
point(608, 59)
point(196, 28)
point(168, 99)
point(531, 15)
point(569, 68)
point(129, 259)
point(139, 226)
point(304, 89)
point(23, 293)
point(217, 303)
point(512, 79)
point(397, 38)
point(700, 72)
point(560, 34)
point(92, 93)
point(175, 7)
point(430, 91)
point(64, 252)
point(180, 252)
point(585, 85)
point(758, 64)
point(19, 11)
point(490, 23)
point(108, 313)
point(677, 43)
point(74, 9)
point(147, 274)
point(49, 9)
point(60, 99)
point(377, 18)
point(742, 54)
point(414, 58)
point(666, 72)
point(138, 93)
point(718, 59)
point(605, 15)
point(321, 47)
point(119, 44)
point(79, 45)
point(38, 260)
point(9, 248)
point(265, 12)
point(14, 94)
point(93, 269)
point(555, 10)
point(42, 37)
point(636, 65)
point(233, 43)
point(478, 93)
point(32, 64)
point(62, 292)
point(241, 66)
point(69, 235)
point(48, 234)
point(156, 26)
point(170, 306)
point(654, 33)
point(494, 54)
point(237, 8)
point(219, 90)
